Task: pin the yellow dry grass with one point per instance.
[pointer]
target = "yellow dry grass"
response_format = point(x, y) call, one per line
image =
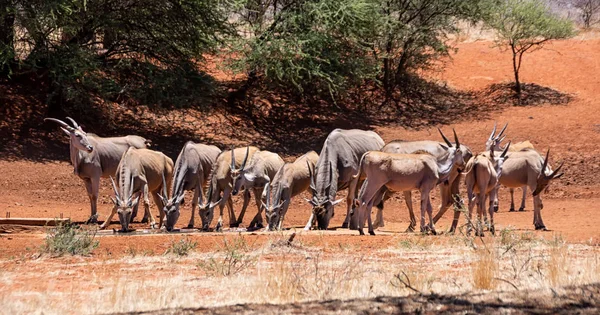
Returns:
point(281, 273)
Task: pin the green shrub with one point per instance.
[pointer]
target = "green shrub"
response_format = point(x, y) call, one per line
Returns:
point(181, 248)
point(67, 238)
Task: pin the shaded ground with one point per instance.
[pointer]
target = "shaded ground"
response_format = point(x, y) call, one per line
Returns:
point(581, 300)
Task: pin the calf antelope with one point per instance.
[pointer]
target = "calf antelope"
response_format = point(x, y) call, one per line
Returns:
point(494, 141)
point(482, 174)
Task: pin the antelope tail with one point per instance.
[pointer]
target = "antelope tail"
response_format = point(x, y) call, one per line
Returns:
point(360, 164)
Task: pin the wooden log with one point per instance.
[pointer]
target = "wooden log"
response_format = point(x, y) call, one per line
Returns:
point(34, 221)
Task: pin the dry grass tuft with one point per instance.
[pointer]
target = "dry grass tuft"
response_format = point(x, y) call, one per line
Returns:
point(485, 269)
point(557, 262)
point(232, 258)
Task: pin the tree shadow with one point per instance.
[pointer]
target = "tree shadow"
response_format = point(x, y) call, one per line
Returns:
point(270, 118)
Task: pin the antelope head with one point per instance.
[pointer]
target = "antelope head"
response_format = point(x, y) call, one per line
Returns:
point(498, 162)
point(206, 207)
point(322, 204)
point(546, 175)
point(454, 153)
point(272, 209)
point(124, 204)
point(170, 206)
point(495, 139)
point(77, 136)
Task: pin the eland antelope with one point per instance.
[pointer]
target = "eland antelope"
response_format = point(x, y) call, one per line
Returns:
point(448, 191)
point(228, 164)
point(192, 170)
point(528, 168)
point(141, 171)
point(482, 176)
point(291, 180)
point(403, 172)
point(254, 177)
point(94, 157)
point(338, 161)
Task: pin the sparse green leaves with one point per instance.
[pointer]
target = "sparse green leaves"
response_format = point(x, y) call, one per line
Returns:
point(525, 25)
point(67, 238)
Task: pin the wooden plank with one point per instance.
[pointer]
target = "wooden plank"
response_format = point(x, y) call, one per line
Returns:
point(34, 221)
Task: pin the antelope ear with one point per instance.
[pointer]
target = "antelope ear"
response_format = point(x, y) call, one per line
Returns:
point(180, 198)
point(310, 201)
point(135, 202)
point(163, 199)
point(444, 146)
point(213, 204)
point(336, 202)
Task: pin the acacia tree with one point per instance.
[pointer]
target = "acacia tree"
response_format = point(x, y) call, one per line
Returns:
point(413, 34)
point(524, 26)
point(331, 45)
point(307, 46)
point(588, 10)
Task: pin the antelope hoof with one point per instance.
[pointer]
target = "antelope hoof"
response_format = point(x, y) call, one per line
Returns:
point(372, 232)
point(541, 228)
point(345, 225)
point(433, 232)
point(361, 232)
point(219, 227)
point(144, 220)
point(153, 226)
point(522, 209)
point(410, 229)
point(511, 209)
point(493, 230)
point(190, 226)
point(234, 224)
point(92, 220)
point(496, 209)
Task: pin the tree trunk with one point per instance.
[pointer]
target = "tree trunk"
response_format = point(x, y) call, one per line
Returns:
point(516, 66)
point(7, 36)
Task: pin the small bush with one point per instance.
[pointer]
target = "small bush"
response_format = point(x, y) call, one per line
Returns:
point(233, 259)
point(67, 238)
point(181, 248)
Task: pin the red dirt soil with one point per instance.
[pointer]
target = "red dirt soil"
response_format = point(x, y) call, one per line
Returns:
point(571, 131)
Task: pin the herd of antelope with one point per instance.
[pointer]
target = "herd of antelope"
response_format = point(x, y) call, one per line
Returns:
point(349, 159)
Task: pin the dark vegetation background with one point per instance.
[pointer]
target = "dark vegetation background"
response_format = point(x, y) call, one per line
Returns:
point(273, 73)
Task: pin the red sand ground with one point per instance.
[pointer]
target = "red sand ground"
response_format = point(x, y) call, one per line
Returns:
point(571, 131)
